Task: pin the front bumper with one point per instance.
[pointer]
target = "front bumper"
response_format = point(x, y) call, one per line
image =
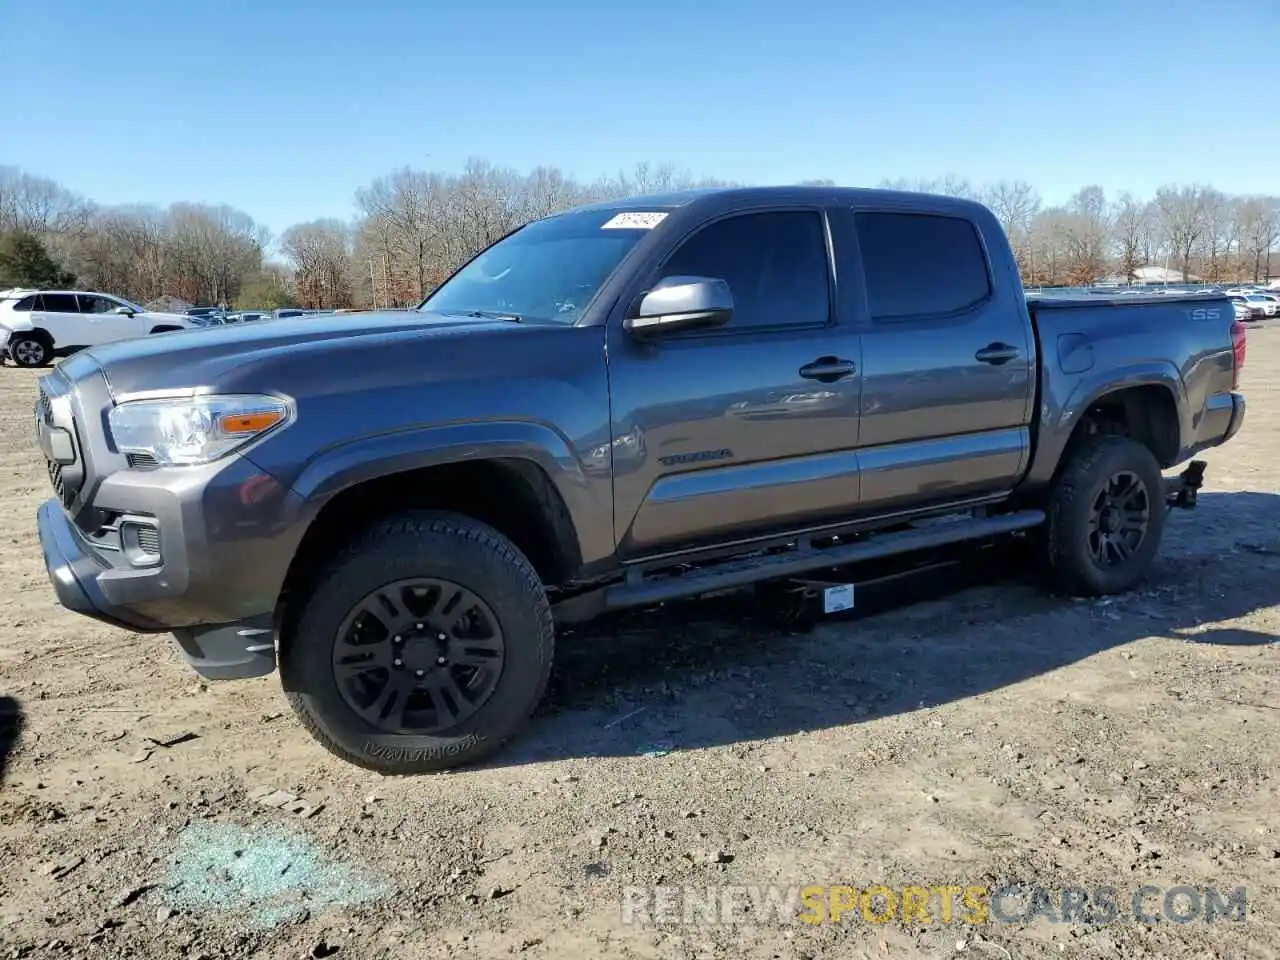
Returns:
point(76, 574)
point(201, 551)
point(84, 585)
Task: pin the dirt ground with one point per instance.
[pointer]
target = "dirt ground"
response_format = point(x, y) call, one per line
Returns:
point(983, 738)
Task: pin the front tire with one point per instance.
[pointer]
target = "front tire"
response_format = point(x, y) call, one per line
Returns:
point(29, 351)
point(1106, 517)
point(425, 645)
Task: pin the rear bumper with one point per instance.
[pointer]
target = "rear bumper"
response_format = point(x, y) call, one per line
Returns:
point(1238, 407)
point(82, 582)
point(1220, 420)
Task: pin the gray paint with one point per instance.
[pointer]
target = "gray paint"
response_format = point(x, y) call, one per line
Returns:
point(679, 443)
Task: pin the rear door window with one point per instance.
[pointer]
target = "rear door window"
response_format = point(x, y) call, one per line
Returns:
point(921, 265)
point(58, 303)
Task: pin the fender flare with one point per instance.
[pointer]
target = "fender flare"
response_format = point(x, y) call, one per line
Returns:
point(351, 462)
point(1057, 425)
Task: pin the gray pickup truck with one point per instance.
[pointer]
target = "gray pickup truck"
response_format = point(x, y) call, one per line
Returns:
point(616, 406)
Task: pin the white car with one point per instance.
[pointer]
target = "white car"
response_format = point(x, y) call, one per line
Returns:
point(1270, 306)
point(36, 325)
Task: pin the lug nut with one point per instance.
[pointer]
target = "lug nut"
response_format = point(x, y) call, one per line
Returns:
point(421, 673)
point(441, 636)
point(397, 639)
point(397, 663)
point(441, 661)
point(417, 626)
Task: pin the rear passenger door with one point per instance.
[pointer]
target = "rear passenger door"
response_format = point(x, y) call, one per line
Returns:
point(947, 362)
point(59, 315)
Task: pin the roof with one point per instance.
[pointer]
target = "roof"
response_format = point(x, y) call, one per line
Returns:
point(745, 196)
point(24, 292)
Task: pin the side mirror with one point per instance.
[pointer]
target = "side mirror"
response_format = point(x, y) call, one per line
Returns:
point(681, 303)
point(123, 311)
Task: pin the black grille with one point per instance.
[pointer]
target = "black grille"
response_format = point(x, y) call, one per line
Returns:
point(64, 485)
point(141, 461)
point(149, 540)
point(55, 477)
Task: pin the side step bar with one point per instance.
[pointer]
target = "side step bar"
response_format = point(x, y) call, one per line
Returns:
point(640, 591)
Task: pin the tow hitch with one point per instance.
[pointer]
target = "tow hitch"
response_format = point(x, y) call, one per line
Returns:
point(1181, 491)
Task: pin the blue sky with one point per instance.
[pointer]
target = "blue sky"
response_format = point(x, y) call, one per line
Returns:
point(284, 108)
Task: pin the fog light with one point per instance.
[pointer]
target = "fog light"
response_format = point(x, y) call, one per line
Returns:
point(140, 541)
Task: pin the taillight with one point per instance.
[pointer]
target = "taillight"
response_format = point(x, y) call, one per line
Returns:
point(1239, 344)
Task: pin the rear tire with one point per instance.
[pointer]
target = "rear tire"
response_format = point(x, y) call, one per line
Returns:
point(1106, 517)
point(29, 350)
point(440, 720)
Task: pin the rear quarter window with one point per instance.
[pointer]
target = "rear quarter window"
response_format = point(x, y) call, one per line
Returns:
point(25, 305)
point(921, 265)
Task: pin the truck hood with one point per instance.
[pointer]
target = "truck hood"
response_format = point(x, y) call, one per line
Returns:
point(206, 356)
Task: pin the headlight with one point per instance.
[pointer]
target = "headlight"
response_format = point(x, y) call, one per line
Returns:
point(193, 430)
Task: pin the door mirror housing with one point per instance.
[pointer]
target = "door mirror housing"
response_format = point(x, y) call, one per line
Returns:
point(122, 311)
point(681, 303)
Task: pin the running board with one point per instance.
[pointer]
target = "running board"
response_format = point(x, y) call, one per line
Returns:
point(642, 592)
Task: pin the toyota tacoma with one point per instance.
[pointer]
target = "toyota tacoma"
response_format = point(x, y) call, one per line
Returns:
point(616, 406)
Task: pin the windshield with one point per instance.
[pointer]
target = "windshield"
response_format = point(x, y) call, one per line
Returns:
point(546, 272)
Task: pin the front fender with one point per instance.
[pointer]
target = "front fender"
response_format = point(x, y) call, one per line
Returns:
point(1066, 399)
point(355, 461)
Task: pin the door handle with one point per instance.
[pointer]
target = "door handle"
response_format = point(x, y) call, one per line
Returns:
point(996, 353)
point(827, 369)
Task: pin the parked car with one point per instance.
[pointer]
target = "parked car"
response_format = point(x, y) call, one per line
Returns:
point(1268, 305)
point(285, 312)
point(38, 325)
point(1256, 311)
point(616, 406)
point(1271, 298)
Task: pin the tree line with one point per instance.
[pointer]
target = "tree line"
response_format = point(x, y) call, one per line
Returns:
point(411, 228)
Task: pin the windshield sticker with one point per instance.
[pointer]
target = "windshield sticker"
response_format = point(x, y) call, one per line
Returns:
point(634, 220)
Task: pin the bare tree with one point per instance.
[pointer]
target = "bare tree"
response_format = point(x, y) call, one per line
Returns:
point(948, 185)
point(1086, 233)
point(1259, 226)
point(1131, 222)
point(38, 205)
point(1184, 221)
point(320, 252)
point(1015, 204)
point(412, 228)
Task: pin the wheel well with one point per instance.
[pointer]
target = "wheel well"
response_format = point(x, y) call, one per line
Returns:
point(1147, 414)
point(35, 333)
point(514, 496)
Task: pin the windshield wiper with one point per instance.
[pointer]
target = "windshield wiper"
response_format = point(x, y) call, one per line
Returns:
point(493, 315)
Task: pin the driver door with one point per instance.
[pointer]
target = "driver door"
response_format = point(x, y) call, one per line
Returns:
point(747, 429)
point(103, 325)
